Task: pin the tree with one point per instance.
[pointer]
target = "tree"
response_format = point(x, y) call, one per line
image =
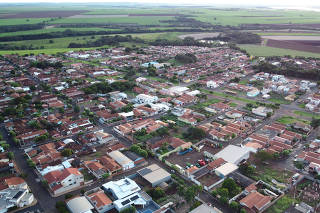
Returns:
point(243, 210)
point(223, 192)
point(67, 152)
point(194, 133)
point(234, 205)
point(76, 109)
point(162, 131)
point(269, 114)
point(68, 196)
point(105, 176)
point(263, 155)
point(315, 122)
point(10, 155)
point(130, 209)
point(232, 187)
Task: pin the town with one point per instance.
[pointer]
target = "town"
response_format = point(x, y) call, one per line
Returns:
point(159, 129)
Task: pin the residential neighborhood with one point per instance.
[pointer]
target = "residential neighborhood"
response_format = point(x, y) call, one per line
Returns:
point(113, 130)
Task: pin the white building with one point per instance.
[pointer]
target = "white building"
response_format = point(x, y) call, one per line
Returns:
point(233, 154)
point(145, 99)
point(121, 159)
point(126, 192)
point(261, 111)
point(79, 205)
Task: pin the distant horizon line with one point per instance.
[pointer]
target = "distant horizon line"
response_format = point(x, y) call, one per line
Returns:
point(284, 6)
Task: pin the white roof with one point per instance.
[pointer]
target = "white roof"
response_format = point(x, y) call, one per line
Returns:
point(135, 199)
point(226, 169)
point(232, 153)
point(122, 188)
point(205, 208)
point(79, 205)
point(153, 173)
point(119, 157)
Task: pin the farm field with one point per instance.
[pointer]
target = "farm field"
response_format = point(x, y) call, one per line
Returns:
point(258, 50)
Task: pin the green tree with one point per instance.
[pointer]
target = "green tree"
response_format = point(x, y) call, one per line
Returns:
point(194, 133)
point(67, 152)
point(234, 205)
point(130, 209)
point(10, 155)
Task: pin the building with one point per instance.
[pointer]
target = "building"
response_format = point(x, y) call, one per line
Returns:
point(226, 169)
point(122, 160)
point(65, 180)
point(255, 201)
point(14, 193)
point(100, 201)
point(79, 205)
point(261, 111)
point(126, 193)
point(154, 174)
point(145, 99)
point(233, 154)
point(204, 208)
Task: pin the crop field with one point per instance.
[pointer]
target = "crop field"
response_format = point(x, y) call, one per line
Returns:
point(179, 21)
point(258, 50)
point(150, 20)
point(20, 21)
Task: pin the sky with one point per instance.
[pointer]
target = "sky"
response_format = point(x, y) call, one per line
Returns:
point(290, 3)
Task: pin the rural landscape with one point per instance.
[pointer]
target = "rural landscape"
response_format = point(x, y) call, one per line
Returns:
point(137, 107)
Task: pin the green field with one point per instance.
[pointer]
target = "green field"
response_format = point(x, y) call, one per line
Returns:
point(291, 120)
point(307, 114)
point(141, 20)
point(257, 50)
point(17, 21)
point(52, 30)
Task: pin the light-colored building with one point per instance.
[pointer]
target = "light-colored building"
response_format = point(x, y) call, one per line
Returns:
point(154, 174)
point(79, 205)
point(204, 208)
point(226, 169)
point(65, 180)
point(233, 154)
point(145, 99)
point(122, 160)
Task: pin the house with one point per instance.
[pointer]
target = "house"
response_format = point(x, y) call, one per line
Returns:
point(31, 135)
point(118, 96)
point(101, 202)
point(14, 193)
point(105, 116)
point(110, 165)
point(95, 168)
point(103, 137)
point(126, 192)
point(255, 201)
point(63, 181)
point(122, 160)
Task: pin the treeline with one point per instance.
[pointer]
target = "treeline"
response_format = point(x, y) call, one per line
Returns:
point(106, 40)
point(46, 64)
point(238, 37)
point(24, 27)
point(20, 47)
point(104, 87)
point(188, 41)
point(72, 33)
point(186, 58)
point(183, 21)
point(288, 69)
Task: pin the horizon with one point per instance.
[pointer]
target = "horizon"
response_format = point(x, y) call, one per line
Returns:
point(266, 3)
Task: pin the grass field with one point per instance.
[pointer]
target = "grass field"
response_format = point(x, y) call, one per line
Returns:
point(51, 30)
point(141, 20)
point(257, 50)
point(42, 51)
point(290, 120)
point(307, 114)
point(18, 21)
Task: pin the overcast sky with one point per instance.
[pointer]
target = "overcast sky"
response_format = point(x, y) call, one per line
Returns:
point(292, 3)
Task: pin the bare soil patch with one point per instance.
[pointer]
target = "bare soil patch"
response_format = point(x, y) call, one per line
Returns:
point(293, 45)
